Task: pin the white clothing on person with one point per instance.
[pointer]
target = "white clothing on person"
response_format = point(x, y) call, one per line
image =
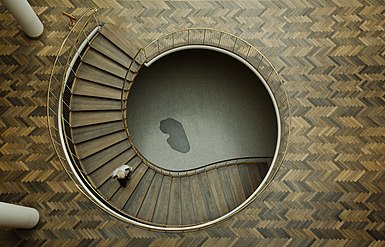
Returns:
point(124, 168)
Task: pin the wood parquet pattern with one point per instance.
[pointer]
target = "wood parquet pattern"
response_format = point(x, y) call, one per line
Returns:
point(330, 190)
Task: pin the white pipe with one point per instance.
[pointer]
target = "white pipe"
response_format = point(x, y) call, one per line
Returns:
point(15, 216)
point(25, 16)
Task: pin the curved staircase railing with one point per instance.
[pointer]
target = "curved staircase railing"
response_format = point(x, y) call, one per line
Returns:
point(235, 45)
point(60, 88)
point(61, 72)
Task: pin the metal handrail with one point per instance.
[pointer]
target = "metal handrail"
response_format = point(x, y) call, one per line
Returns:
point(247, 52)
point(57, 86)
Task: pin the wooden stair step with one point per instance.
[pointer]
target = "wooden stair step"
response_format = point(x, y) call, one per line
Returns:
point(187, 201)
point(161, 207)
point(109, 49)
point(93, 162)
point(226, 188)
point(200, 212)
point(109, 188)
point(148, 206)
point(257, 173)
point(86, 133)
point(89, 88)
point(86, 103)
point(119, 39)
point(236, 184)
point(135, 201)
point(122, 196)
point(100, 175)
point(174, 216)
point(98, 60)
point(245, 178)
point(87, 148)
point(91, 73)
point(217, 189)
point(209, 200)
point(79, 119)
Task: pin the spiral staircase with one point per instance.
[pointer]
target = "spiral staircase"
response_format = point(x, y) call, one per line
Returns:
point(90, 136)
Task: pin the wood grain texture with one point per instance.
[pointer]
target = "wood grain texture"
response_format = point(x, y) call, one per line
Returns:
point(330, 189)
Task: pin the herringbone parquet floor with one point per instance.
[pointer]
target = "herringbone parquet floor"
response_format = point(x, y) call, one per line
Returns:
point(330, 190)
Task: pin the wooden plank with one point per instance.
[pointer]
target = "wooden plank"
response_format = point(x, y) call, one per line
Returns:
point(148, 206)
point(210, 205)
point(106, 47)
point(227, 188)
point(79, 119)
point(188, 216)
point(236, 184)
point(87, 103)
point(86, 133)
point(122, 196)
point(174, 216)
point(257, 173)
point(109, 188)
point(94, 161)
point(161, 208)
point(135, 201)
point(217, 189)
point(245, 178)
point(200, 211)
point(98, 60)
point(87, 148)
point(91, 73)
point(119, 39)
point(89, 88)
point(100, 175)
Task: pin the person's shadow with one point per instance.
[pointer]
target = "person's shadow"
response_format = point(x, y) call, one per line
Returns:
point(177, 136)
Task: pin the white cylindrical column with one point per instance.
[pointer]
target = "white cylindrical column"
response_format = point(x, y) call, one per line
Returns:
point(25, 16)
point(15, 216)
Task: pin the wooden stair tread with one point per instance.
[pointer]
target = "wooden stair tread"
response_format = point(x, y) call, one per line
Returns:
point(187, 202)
point(257, 173)
point(119, 39)
point(236, 184)
point(198, 200)
point(106, 47)
point(210, 205)
point(109, 188)
point(89, 118)
point(135, 201)
point(94, 161)
point(217, 189)
point(89, 88)
point(161, 208)
point(226, 188)
point(174, 216)
point(245, 178)
point(98, 60)
point(122, 196)
point(86, 103)
point(86, 133)
point(87, 148)
point(148, 206)
point(91, 73)
point(100, 175)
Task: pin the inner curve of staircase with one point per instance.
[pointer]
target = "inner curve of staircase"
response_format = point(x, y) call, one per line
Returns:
point(151, 198)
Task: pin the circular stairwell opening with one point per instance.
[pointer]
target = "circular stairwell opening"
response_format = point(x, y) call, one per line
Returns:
point(210, 120)
point(195, 107)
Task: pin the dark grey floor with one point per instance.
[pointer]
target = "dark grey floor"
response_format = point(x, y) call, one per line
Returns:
point(195, 107)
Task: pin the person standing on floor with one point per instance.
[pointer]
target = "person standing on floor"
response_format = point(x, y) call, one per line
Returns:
point(122, 174)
